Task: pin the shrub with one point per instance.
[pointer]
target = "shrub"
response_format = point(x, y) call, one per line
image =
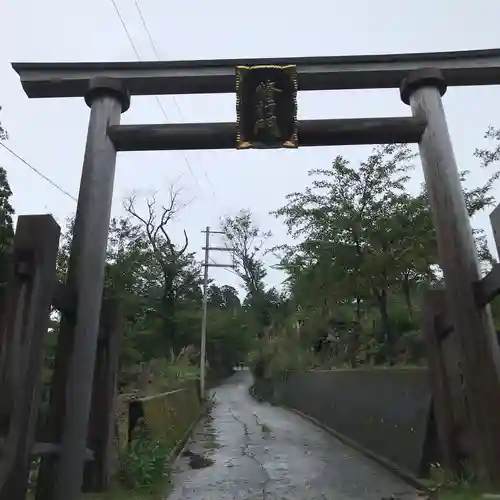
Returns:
point(274, 358)
point(143, 464)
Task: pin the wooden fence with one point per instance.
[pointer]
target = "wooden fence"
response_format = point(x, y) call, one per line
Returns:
point(26, 302)
point(25, 316)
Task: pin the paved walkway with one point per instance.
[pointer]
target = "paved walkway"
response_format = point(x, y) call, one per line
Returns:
point(258, 451)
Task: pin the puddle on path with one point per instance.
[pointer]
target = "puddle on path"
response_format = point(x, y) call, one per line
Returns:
point(206, 439)
point(197, 461)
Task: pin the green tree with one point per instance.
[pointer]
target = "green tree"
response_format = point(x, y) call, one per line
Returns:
point(247, 241)
point(225, 297)
point(6, 214)
point(490, 154)
point(351, 212)
point(3, 133)
point(366, 242)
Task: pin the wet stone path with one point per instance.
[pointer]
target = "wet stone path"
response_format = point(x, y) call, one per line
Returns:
point(249, 450)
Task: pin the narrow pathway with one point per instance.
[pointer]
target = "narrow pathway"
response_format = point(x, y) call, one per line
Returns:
point(258, 451)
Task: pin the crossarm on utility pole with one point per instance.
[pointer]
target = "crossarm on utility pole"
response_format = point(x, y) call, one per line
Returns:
point(204, 316)
point(206, 265)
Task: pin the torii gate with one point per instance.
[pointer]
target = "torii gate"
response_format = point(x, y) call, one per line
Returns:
point(422, 80)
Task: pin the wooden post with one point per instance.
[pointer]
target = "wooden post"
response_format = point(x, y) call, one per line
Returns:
point(30, 292)
point(472, 324)
point(107, 99)
point(433, 312)
point(4, 278)
point(101, 435)
point(57, 405)
point(7, 302)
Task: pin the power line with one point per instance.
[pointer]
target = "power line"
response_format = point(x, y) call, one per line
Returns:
point(157, 54)
point(145, 25)
point(127, 32)
point(125, 28)
point(155, 50)
point(43, 176)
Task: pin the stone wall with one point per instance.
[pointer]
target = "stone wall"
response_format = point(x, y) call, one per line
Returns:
point(385, 410)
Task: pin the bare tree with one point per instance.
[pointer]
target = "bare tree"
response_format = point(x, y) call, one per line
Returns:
point(170, 258)
point(247, 240)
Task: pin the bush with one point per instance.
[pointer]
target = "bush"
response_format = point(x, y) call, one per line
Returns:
point(274, 358)
point(177, 374)
point(163, 375)
point(143, 464)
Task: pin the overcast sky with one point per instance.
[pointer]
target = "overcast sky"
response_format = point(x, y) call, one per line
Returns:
point(50, 133)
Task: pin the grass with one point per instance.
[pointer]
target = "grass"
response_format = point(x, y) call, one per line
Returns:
point(118, 493)
point(265, 428)
point(459, 493)
point(448, 487)
point(121, 494)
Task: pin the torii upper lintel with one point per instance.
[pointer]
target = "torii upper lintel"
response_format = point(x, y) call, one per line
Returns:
point(460, 68)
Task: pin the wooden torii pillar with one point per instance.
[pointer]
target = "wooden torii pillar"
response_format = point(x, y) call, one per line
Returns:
point(472, 322)
point(74, 371)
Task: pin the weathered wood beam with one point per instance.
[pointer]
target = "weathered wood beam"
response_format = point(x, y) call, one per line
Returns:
point(41, 448)
point(488, 287)
point(101, 430)
point(433, 313)
point(30, 289)
point(184, 136)
point(472, 67)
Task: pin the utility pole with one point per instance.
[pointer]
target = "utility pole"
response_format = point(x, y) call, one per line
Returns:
point(206, 265)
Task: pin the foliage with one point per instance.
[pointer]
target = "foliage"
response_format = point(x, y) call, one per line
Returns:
point(172, 269)
point(368, 246)
point(247, 242)
point(449, 487)
point(161, 375)
point(6, 224)
point(6, 215)
point(3, 133)
point(143, 465)
point(275, 358)
point(491, 154)
point(158, 282)
point(351, 219)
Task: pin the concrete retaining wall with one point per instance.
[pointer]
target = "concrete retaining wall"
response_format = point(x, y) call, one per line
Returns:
point(386, 410)
point(167, 416)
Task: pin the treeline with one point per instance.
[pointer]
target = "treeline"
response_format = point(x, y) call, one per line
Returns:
point(158, 281)
point(365, 252)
